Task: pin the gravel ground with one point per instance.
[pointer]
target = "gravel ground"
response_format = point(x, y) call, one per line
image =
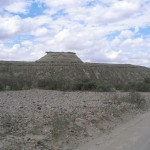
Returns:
point(27, 119)
point(39, 103)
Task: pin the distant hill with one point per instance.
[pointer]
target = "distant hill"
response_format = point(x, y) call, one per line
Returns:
point(65, 71)
point(30, 73)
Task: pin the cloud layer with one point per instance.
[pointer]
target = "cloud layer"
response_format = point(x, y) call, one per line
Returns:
point(112, 31)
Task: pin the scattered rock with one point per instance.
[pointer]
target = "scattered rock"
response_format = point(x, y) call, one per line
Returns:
point(81, 122)
point(80, 116)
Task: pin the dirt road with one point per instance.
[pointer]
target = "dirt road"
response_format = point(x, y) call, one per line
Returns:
point(135, 135)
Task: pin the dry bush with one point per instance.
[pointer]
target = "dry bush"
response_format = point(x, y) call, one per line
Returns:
point(11, 125)
point(59, 124)
point(137, 99)
point(84, 84)
point(132, 98)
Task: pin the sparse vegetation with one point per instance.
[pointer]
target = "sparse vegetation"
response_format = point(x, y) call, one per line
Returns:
point(14, 82)
point(11, 125)
point(137, 99)
point(1, 87)
point(21, 83)
point(132, 98)
point(60, 124)
point(84, 84)
point(49, 84)
point(142, 86)
point(68, 77)
point(56, 126)
point(105, 87)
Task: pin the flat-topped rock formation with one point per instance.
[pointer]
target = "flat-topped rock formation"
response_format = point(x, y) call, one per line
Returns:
point(60, 57)
point(67, 67)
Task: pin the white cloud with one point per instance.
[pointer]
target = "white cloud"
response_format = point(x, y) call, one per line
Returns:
point(112, 54)
point(15, 6)
point(115, 11)
point(62, 3)
point(133, 42)
point(4, 3)
point(9, 26)
point(84, 29)
point(62, 35)
point(120, 10)
point(13, 26)
point(26, 43)
point(40, 32)
point(126, 34)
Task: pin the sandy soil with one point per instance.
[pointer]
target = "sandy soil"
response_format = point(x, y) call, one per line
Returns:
point(54, 120)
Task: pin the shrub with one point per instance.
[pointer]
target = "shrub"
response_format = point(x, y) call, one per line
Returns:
point(11, 125)
point(132, 98)
point(143, 87)
point(138, 86)
point(84, 84)
point(59, 124)
point(116, 99)
point(47, 84)
point(1, 87)
point(17, 82)
point(147, 80)
point(105, 87)
point(136, 98)
point(119, 86)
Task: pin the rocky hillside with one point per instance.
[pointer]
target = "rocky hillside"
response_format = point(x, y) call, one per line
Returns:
point(69, 73)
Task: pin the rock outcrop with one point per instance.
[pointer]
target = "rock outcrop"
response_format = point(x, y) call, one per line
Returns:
point(60, 57)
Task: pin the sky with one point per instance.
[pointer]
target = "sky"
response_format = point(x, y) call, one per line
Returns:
point(100, 31)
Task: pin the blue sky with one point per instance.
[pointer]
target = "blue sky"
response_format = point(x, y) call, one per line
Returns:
point(111, 31)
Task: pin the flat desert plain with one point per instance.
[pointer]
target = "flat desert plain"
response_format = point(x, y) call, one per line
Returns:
point(55, 120)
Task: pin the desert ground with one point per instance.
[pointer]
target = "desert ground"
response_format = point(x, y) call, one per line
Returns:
point(55, 120)
point(132, 135)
